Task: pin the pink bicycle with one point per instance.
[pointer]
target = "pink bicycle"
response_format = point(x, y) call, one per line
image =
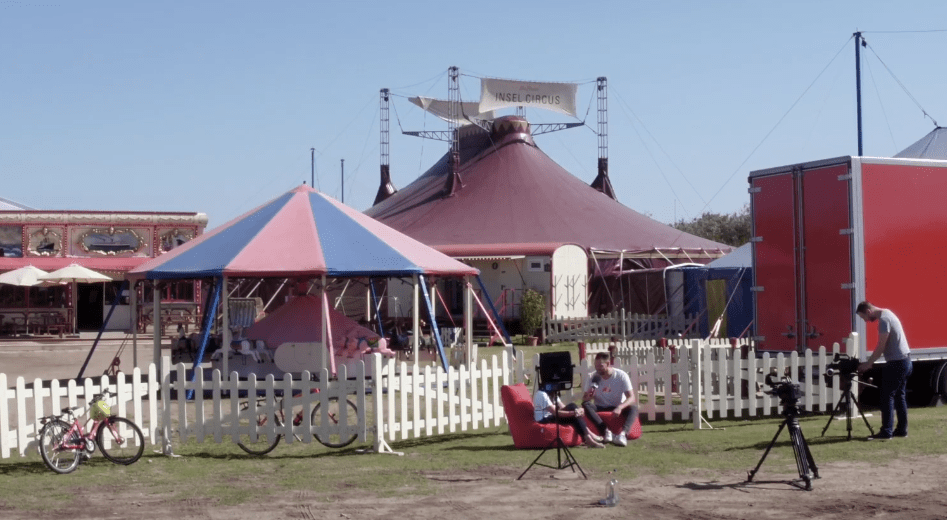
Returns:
point(63, 445)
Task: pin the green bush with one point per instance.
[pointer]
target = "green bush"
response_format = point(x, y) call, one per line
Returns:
point(532, 309)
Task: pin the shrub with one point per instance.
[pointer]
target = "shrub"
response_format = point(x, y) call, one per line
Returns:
point(532, 309)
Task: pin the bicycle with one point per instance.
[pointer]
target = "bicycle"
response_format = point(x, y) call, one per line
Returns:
point(265, 444)
point(63, 445)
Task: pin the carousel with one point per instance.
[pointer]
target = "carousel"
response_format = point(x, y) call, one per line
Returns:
point(318, 247)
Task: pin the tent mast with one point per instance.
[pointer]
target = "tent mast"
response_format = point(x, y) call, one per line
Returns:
point(859, 42)
point(602, 182)
point(454, 182)
point(386, 188)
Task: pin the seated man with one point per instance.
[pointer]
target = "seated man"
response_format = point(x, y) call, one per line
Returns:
point(544, 411)
point(610, 390)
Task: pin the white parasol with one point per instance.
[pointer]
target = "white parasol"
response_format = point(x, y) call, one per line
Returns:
point(75, 274)
point(26, 276)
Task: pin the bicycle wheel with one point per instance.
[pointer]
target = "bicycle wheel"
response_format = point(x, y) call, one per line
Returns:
point(263, 444)
point(120, 440)
point(338, 439)
point(57, 458)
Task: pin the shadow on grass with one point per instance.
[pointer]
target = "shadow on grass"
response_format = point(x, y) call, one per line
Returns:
point(24, 468)
point(744, 486)
point(195, 451)
point(454, 437)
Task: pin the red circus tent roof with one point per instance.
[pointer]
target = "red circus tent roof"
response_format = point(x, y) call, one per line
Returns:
point(514, 199)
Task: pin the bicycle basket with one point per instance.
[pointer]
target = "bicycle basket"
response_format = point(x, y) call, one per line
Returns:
point(100, 410)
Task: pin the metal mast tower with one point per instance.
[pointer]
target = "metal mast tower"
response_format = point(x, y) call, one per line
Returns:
point(602, 183)
point(385, 188)
point(454, 181)
point(859, 42)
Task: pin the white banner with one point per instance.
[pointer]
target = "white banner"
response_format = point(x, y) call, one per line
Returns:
point(502, 93)
point(440, 108)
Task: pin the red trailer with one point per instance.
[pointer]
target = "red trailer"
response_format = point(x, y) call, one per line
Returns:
point(831, 233)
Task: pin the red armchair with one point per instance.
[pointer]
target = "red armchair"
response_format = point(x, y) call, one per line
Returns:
point(527, 433)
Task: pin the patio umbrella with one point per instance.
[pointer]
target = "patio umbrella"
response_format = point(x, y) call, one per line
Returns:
point(26, 277)
point(75, 274)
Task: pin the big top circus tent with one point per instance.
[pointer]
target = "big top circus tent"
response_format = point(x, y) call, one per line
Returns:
point(526, 222)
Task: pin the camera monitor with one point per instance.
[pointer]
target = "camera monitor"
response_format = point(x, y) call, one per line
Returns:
point(555, 371)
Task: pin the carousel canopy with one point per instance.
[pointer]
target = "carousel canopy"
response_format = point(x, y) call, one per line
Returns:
point(301, 233)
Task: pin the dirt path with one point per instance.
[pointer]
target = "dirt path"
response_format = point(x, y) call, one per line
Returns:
point(911, 489)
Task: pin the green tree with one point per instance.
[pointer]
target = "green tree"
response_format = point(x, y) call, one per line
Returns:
point(733, 229)
point(532, 309)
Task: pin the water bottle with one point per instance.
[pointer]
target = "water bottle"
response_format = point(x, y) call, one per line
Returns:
point(611, 494)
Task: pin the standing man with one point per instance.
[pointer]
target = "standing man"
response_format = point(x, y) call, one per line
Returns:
point(893, 345)
point(610, 390)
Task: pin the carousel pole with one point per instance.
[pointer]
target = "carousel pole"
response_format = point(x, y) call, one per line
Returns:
point(417, 316)
point(226, 337)
point(325, 326)
point(468, 316)
point(134, 322)
point(156, 321)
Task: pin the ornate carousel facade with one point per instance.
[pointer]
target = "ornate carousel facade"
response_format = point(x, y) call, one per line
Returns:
point(110, 243)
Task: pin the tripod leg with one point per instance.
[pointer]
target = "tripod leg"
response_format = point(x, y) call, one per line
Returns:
point(810, 462)
point(834, 413)
point(815, 469)
point(752, 473)
point(860, 412)
point(534, 462)
point(803, 456)
point(571, 460)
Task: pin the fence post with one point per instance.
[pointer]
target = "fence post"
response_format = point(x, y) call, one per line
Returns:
point(675, 379)
point(697, 409)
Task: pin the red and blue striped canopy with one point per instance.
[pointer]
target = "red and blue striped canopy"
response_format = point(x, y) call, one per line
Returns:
point(301, 233)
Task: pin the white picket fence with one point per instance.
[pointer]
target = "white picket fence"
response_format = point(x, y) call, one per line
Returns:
point(693, 381)
point(136, 399)
point(617, 324)
point(693, 378)
point(428, 401)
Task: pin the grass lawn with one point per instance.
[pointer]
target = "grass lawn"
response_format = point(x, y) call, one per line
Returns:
point(225, 472)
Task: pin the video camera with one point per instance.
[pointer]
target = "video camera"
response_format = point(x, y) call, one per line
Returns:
point(783, 388)
point(843, 365)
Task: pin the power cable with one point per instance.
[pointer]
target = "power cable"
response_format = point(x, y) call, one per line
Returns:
point(881, 104)
point(657, 165)
point(814, 126)
point(626, 106)
point(796, 102)
point(901, 84)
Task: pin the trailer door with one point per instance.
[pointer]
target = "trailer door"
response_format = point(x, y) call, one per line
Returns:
point(772, 200)
point(827, 307)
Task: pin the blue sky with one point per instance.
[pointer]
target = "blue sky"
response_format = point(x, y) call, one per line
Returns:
point(214, 106)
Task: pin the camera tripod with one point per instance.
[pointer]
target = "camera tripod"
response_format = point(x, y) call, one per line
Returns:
point(804, 461)
point(560, 447)
point(849, 401)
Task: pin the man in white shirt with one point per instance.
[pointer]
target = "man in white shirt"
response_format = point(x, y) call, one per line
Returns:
point(610, 390)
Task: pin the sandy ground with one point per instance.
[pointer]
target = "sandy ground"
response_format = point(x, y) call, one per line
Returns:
point(849, 490)
point(845, 490)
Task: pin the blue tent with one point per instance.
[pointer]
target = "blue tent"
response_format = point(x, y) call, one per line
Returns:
point(722, 284)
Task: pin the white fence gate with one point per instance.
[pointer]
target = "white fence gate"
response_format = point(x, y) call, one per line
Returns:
point(618, 324)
